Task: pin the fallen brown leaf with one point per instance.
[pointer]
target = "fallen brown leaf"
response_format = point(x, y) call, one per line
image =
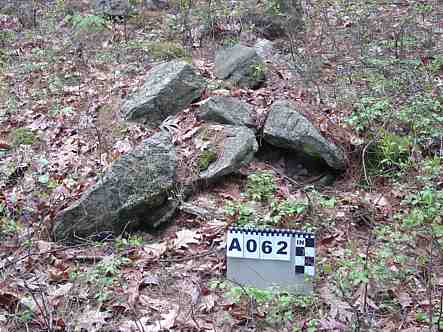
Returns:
point(185, 237)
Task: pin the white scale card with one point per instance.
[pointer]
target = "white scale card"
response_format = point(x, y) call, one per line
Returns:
point(266, 257)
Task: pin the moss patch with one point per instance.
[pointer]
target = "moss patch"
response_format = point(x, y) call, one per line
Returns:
point(206, 158)
point(309, 150)
point(166, 50)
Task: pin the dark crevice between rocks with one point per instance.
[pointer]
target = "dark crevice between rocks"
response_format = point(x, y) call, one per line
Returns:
point(297, 165)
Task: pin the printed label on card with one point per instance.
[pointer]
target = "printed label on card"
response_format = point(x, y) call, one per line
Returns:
point(235, 244)
point(251, 241)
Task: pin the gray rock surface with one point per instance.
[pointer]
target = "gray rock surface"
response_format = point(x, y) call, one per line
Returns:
point(168, 89)
point(132, 193)
point(113, 8)
point(288, 19)
point(241, 66)
point(227, 110)
point(264, 48)
point(156, 4)
point(239, 147)
point(288, 129)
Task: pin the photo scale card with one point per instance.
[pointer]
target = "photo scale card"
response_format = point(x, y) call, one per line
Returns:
point(271, 257)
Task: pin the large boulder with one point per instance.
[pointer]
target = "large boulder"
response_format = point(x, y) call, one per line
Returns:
point(288, 129)
point(240, 66)
point(132, 193)
point(227, 110)
point(168, 89)
point(237, 149)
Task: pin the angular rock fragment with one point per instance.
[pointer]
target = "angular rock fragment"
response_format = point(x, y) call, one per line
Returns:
point(227, 110)
point(113, 8)
point(288, 129)
point(132, 193)
point(169, 88)
point(240, 66)
point(264, 48)
point(156, 4)
point(239, 147)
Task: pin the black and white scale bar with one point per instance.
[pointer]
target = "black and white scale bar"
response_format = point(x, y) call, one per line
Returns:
point(258, 231)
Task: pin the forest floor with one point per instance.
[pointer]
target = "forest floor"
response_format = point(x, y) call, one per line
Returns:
point(368, 75)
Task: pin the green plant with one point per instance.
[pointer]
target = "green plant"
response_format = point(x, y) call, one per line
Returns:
point(390, 150)
point(370, 112)
point(6, 36)
point(55, 84)
point(29, 67)
point(272, 7)
point(244, 214)
point(60, 110)
point(350, 272)
point(88, 32)
point(425, 216)
point(104, 274)
point(430, 167)
point(160, 50)
point(86, 23)
point(261, 186)
point(328, 202)
point(281, 210)
point(23, 136)
point(24, 316)
point(258, 71)
point(8, 227)
point(230, 41)
point(279, 306)
point(131, 241)
point(423, 9)
point(312, 325)
point(423, 114)
point(273, 214)
point(259, 295)
point(436, 65)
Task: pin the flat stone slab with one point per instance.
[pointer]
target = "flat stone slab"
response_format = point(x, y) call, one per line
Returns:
point(227, 110)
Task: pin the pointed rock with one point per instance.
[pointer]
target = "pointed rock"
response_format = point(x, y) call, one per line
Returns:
point(132, 193)
point(239, 147)
point(288, 129)
point(241, 66)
